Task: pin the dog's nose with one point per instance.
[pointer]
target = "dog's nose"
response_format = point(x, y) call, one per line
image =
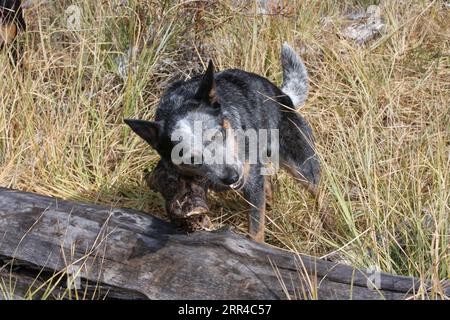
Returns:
point(231, 177)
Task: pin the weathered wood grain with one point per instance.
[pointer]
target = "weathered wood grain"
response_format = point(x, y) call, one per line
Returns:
point(123, 253)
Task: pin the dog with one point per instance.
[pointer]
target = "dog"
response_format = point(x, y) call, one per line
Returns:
point(236, 100)
point(11, 22)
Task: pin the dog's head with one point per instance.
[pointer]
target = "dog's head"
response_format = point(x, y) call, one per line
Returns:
point(197, 137)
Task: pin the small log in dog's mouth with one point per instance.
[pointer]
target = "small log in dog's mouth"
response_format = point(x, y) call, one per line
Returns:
point(185, 197)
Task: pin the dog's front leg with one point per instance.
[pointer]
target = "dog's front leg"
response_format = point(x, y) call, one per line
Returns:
point(255, 195)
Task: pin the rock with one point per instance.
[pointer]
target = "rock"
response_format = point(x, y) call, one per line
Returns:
point(363, 33)
point(369, 26)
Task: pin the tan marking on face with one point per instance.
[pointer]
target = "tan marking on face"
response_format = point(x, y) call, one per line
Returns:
point(213, 95)
point(7, 33)
point(230, 135)
point(246, 169)
point(226, 124)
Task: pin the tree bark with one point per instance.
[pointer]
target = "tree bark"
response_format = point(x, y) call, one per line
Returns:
point(121, 253)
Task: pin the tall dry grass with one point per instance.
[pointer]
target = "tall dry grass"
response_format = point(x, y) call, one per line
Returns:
point(380, 114)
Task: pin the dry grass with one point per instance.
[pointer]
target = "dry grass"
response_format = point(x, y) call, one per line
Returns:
point(380, 115)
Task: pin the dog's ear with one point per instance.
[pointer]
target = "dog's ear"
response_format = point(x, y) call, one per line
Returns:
point(207, 88)
point(147, 130)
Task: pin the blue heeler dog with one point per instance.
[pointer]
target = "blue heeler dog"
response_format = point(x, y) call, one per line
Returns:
point(233, 101)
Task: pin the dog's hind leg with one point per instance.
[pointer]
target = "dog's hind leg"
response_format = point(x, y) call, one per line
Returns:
point(297, 152)
point(298, 157)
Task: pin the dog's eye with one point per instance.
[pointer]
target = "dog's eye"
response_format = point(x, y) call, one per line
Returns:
point(197, 160)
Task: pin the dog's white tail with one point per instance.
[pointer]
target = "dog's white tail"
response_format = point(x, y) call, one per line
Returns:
point(295, 76)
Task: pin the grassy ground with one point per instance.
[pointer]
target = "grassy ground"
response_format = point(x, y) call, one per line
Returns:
point(380, 114)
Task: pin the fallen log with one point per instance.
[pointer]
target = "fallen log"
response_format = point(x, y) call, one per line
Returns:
point(53, 248)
